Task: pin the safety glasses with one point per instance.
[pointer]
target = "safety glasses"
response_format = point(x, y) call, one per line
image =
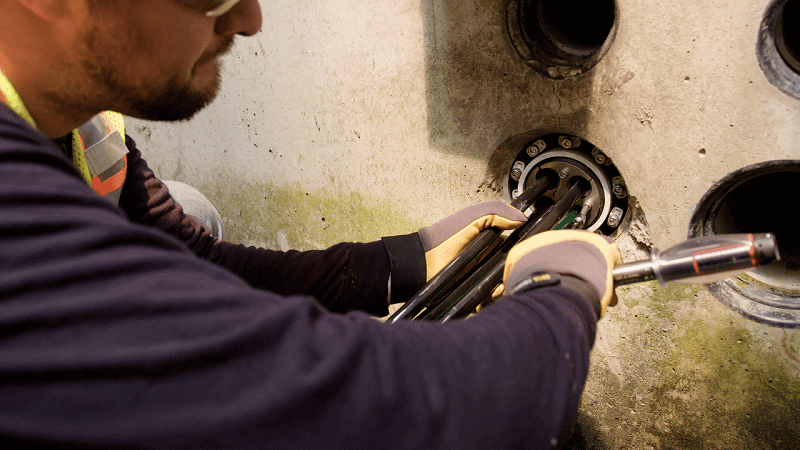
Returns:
point(211, 8)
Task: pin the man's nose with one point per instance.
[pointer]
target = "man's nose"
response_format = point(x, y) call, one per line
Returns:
point(243, 19)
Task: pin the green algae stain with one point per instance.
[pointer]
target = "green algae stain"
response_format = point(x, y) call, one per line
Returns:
point(725, 383)
point(730, 385)
point(674, 368)
point(282, 218)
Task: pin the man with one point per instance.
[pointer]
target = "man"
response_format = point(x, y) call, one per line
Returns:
point(116, 334)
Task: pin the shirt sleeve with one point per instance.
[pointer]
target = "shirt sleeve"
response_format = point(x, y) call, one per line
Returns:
point(114, 335)
point(345, 277)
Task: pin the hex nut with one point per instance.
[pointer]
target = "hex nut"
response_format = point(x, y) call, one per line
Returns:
point(618, 188)
point(516, 171)
point(536, 148)
point(614, 217)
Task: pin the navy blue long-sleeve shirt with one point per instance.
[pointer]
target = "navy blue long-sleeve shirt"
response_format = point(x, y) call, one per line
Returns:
point(113, 333)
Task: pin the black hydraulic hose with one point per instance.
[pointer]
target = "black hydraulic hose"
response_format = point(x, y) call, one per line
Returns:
point(485, 280)
point(438, 308)
point(529, 195)
point(442, 281)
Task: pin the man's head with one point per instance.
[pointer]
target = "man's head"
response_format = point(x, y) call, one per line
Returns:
point(152, 59)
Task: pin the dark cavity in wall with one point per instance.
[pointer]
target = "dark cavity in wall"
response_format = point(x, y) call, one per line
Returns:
point(787, 35)
point(778, 47)
point(758, 199)
point(561, 38)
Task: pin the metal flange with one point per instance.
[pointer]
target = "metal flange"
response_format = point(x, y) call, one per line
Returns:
point(604, 209)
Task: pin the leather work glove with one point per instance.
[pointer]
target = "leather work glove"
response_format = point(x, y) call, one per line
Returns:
point(445, 239)
point(582, 254)
point(417, 257)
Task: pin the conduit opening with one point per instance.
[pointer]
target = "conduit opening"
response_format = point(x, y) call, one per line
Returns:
point(778, 46)
point(746, 209)
point(604, 208)
point(561, 38)
point(758, 199)
point(787, 35)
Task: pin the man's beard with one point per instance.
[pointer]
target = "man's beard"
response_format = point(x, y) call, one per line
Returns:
point(147, 98)
point(174, 101)
point(178, 100)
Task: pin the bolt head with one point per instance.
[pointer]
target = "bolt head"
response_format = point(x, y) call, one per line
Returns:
point(536, 148)
point(614, 217)
point(516, 170)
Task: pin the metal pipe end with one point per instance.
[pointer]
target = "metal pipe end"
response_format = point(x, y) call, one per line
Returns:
point(766, 248)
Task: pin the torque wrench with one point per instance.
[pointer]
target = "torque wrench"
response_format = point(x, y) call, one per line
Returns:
point(702, 259)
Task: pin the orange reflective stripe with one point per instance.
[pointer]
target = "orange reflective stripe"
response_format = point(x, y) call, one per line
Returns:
point(112, 183)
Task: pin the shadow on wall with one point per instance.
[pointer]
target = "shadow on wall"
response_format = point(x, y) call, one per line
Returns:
point(496, 70)
point(479, 91)
point(585, 434)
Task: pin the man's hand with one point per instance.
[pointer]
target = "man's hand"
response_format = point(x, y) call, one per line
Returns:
point(415, 258)
point(588, 256)
point(445, 239)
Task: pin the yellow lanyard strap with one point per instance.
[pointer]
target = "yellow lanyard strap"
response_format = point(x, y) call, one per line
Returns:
point(11, 98)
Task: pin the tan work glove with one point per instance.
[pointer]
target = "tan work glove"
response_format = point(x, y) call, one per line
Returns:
point(445, 239)
point(588, 256)
point(415, 258)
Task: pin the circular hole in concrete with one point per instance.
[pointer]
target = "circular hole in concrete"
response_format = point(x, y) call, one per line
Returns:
point(787, 35)
point(577, 27)
point(561, 38)
point(778, 46)
point(758, 199)
point(746, 209)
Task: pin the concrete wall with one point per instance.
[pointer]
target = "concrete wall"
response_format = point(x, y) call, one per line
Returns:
point(349, 120)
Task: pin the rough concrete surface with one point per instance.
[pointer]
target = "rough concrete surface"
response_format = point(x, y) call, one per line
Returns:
point(353, 119)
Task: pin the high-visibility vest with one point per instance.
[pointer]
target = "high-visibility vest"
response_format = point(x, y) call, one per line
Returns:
point(98, 146)
point(100, 154)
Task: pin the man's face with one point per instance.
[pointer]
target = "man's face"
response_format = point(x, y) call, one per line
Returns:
point(153, 59)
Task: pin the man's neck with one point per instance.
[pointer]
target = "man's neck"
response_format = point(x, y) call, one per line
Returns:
point(49, 119)
point(52, 120)
point(22, 63)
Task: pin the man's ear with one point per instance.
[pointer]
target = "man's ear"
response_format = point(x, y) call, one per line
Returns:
point(47, 10)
